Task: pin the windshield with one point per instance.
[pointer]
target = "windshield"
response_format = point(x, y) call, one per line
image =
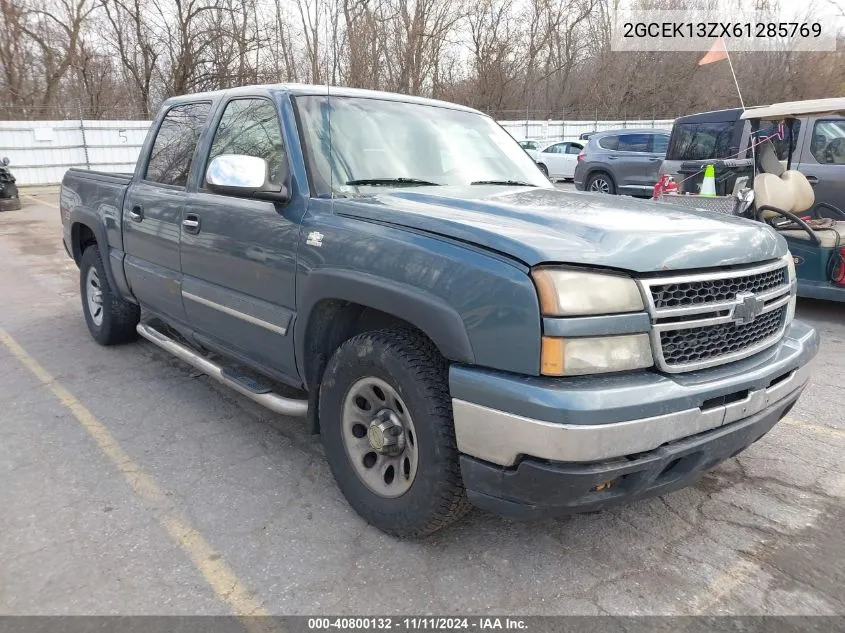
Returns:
point(379, 143)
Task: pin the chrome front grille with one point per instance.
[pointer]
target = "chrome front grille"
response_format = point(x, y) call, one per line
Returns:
point(687, 293)
point(696, 344)
point(708, 319)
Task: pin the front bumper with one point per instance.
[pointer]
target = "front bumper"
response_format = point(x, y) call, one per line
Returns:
point(546, 444)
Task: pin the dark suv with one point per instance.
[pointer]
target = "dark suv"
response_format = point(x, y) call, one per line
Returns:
point(621, 161)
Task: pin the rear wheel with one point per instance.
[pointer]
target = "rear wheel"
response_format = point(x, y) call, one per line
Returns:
point(601, 183)
point(110, 319)
point(386, 422)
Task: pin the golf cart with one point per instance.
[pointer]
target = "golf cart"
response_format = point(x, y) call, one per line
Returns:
point(784, 198)
point(9, 200)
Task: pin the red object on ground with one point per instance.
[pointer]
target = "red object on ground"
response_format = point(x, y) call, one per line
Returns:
point(666, 184)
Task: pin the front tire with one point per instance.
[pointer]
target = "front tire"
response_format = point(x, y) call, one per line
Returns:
point(386, 422)
point(543, 169)
point(110, 319)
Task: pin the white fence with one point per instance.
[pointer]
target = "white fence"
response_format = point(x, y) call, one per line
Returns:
point(41, 151)
point(570, 130)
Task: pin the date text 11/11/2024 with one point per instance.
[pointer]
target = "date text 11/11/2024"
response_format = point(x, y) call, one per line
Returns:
point(427, 623)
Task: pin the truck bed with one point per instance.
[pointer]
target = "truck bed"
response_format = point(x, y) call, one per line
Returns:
point(96, 199)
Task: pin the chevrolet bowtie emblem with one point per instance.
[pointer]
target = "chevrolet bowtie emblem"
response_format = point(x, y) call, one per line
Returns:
point(747, 308)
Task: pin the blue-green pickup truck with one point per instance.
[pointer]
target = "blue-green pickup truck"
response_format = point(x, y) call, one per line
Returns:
point(399, 273)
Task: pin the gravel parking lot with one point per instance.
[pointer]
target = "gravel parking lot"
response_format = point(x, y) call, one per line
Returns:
point(133, 485)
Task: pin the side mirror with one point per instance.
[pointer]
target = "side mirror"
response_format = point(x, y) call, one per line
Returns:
point(5, 161)
point(244, 176)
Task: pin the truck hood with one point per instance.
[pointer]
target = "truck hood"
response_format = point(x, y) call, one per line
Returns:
point(543, 225)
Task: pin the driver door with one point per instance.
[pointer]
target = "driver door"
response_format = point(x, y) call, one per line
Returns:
point(822, 161)
point(238, 254)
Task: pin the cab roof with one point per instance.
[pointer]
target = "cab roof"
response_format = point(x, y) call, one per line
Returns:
point(792, 109)
point(305, 89)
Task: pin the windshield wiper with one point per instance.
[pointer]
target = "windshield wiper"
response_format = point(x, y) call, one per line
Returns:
point(392, 181)
point(515, 183)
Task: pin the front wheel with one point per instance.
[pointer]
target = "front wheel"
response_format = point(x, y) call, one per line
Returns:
point(543, 169)
point(386, 422)
point(110, 319)
point(601, 183)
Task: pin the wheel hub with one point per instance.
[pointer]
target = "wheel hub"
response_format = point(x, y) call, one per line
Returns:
point(386, 434)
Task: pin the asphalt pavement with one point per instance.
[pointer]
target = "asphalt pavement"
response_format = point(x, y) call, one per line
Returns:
point(131, 484)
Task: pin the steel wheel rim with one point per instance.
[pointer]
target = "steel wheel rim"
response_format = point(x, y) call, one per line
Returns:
point(94, 296)
point(600, 185)
point(371, 402)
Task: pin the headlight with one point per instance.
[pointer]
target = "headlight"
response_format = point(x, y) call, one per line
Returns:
point(594, 355)
point(793, 287)
point(575, 293)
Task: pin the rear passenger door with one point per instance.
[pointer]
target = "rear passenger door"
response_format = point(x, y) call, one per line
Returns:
point(632, 163)
point(239, 254)
point(570, 159)
point(152, 211)
point(553, 157)
point(657, 148)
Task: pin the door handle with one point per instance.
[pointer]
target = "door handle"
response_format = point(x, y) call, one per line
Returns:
point(612, 157)
point(191, 223)
point(136, 214)
point(813, 180)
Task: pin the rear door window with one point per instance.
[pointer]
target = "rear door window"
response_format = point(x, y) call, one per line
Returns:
point(634, 142)
point(659, 143)
point(175, 143)
point(700, 141)
point(558, 148)
point(574, 148)
point(609, 142)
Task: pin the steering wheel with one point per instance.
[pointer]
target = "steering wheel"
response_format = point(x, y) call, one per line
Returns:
point(813, 237)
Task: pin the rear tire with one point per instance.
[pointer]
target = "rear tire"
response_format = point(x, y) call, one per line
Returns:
point(110, 319)
point(601, 183)
point(394, 379)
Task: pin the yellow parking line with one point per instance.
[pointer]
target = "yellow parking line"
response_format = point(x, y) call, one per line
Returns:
point(723, 585)
point(38, 200)
point(216, 571)
point(819, 429)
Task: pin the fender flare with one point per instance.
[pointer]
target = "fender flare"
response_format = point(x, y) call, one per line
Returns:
point(425, 311)
point(93, 222)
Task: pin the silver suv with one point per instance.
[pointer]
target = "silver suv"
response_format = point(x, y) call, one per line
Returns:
point(622, 161)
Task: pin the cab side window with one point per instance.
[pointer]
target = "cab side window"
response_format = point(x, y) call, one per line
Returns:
point(251, 127)
point(174, 145)
point(828, 143)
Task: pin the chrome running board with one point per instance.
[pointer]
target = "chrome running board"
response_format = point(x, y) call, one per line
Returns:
point(273, 401)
